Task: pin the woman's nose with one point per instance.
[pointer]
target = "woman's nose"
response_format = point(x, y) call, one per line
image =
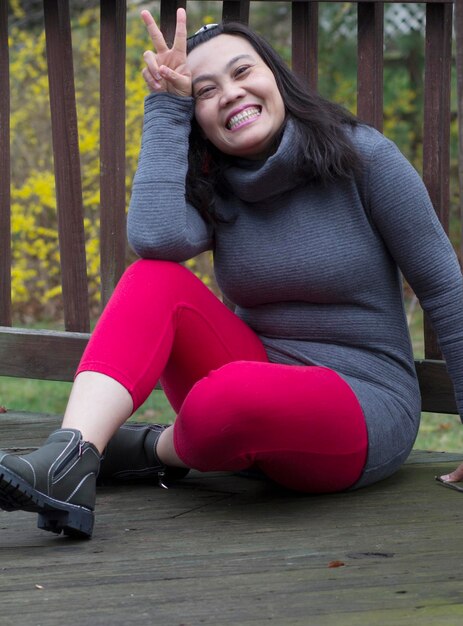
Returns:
point(231, 92)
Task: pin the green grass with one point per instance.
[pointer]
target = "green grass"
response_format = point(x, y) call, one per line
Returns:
point(39, 396)
point(437, 431)
point(440, 432)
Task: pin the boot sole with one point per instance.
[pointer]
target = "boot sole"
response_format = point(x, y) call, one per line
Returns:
point(55, 516)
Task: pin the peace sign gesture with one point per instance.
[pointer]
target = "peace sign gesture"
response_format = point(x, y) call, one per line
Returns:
point(166, 68)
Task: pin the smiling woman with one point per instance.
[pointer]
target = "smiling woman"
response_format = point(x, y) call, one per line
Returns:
point(311, 216)
point(324, 149)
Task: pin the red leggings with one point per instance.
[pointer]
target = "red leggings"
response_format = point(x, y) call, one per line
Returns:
point(302, 426)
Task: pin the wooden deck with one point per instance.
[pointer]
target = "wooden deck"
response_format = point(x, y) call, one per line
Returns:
point(222, 549)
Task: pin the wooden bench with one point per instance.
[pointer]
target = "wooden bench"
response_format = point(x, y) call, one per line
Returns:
point(53, 355)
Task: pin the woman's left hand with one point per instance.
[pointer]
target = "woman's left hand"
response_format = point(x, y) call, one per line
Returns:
point(166, 68)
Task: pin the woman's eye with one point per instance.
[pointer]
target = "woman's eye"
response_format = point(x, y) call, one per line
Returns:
point(205, 92)
point(242, 69)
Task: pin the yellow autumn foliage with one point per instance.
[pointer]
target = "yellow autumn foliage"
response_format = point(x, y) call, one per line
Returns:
point(36, 290)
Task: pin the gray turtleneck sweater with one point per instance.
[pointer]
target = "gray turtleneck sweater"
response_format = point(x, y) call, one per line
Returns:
point(315, 270)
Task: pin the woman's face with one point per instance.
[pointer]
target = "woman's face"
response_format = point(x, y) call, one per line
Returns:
point(238, 105)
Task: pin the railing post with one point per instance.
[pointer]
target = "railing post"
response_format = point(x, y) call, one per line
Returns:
point(67, 165)
point(236, 11)
point(370, 63)
point(168, 18)
point(5, 199)
point(304, 55)
point(112, 144)
point(436, 135)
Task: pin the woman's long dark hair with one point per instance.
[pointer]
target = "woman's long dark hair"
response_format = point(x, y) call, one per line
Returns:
point(326, 153)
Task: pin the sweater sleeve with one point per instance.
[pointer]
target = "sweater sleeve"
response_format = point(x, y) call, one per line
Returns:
point(161, 224)
point(402, 211)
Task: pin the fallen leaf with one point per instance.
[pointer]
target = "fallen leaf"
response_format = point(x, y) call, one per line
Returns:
point(336, 564)
point(445, 426)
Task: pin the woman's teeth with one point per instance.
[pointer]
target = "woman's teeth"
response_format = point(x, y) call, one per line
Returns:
point(243, 116)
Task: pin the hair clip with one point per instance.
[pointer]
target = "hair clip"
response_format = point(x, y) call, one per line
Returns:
point(203, 29)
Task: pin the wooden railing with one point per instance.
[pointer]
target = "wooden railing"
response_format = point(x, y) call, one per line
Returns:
point(54, 355)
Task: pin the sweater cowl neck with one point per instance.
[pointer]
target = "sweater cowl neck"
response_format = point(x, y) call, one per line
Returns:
point(255, 181)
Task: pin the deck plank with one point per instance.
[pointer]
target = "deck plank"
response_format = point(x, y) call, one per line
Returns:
point(222, 549)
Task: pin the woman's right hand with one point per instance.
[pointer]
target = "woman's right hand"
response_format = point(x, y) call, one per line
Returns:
point(166, 68)
point(455, 476)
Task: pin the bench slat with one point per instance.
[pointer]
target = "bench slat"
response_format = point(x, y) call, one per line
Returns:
point(168, 18)
point(236, 11)
point(67, 165)
point(459, 77)
point(436, 132)
point(438, 62)
point(437, 394)
point(304, 53)
point(370, 63)
point(5, 200)
point(112, 144)
point(42, 354)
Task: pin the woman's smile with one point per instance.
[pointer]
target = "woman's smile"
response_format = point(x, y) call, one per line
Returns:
point(244, 116)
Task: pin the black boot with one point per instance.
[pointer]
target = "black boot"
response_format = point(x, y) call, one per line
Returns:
point(131, 455)
point(57, 481)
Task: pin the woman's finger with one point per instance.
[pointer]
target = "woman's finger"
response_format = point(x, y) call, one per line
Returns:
point(180, 32)
point(155, 34)
point(179, 84)
point(150, 59)
point(152, 83)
